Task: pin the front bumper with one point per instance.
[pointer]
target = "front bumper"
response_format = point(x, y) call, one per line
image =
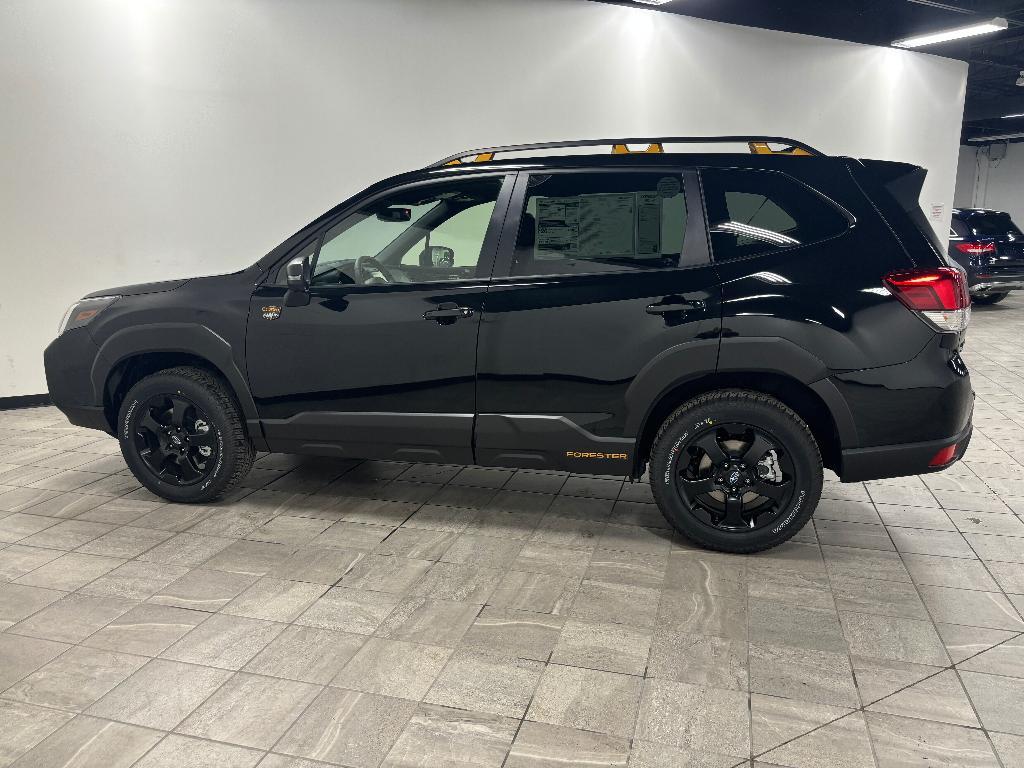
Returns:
point(68, 362)
point(900, 460)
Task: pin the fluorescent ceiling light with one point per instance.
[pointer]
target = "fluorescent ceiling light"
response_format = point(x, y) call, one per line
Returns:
point(1000, 137)
point(981, 28)
point(1007, 117)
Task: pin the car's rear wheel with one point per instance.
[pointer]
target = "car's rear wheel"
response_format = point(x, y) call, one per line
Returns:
point(183, 436)
point(989, 298)
point(736, 470)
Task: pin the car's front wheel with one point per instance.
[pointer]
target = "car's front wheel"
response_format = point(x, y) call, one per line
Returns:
point(736, 470)
point(183, 436)
point(989, 298)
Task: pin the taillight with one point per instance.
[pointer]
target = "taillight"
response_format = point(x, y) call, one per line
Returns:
point(976, 249)
point(939, 295)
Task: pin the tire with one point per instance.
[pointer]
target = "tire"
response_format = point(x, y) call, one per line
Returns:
point(211, 416)
point(790, 470)
point(989, 298)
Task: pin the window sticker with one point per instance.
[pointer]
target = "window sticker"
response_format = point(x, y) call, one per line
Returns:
point(599, 226)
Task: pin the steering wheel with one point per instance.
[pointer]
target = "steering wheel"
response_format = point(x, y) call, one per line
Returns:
point(364, 267)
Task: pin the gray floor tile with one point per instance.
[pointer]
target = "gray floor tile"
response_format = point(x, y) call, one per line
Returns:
point(1007, 659)
point(20, 656)
point(89, 741)
point(616, 603)
point(393, 668)
point(459, 583)
point(927, 570)
point(250, 710)
point(348, 727)
point(186, 549)
point(713, 662)
point(940, 698)
point(522, 634)
point(785, 624)
point(349, 610)
point(1009, 748)
point(586, 699)
point(380, 573)
point(979, 609)
point(625, 567)
point(962, 642)
point(536, 592)
point(483, 682)
point(776, 721)
point(885, 598)
point(160, 694)
point(694, 717)
point(603, 646)
point(823, 677)
point(307, 654)
point(901, 742)
point(204, 590)
point(125, 542)
point(275, 599)
point(433, 622)
point(437, 736)
point(893, 638)
point(76, 679)
point(176, 751)
point(22, 726)
point(70, 571)
point(540, 745)
point(999, 701)
point(843, 743)
point(135, 580)
point(146, 629)
point(224, 641)
point(18, 601)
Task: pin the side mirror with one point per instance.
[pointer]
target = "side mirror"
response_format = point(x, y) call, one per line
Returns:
point(441, 256)
point(297, 272)
point(298, 275)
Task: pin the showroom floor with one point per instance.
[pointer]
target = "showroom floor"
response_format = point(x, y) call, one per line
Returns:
point(414, 615)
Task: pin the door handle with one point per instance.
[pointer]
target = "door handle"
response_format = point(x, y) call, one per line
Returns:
point(447, 312)
point(675, 306)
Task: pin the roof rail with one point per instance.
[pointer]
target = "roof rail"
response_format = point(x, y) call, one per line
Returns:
point(759, 145)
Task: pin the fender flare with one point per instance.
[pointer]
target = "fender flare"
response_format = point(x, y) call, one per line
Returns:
point(186, 338)
point(698, 359)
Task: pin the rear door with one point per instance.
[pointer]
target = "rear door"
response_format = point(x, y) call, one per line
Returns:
point(603, 297)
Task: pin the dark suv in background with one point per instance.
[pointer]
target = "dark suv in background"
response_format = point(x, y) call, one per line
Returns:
point(728, 323)
point(991, 248)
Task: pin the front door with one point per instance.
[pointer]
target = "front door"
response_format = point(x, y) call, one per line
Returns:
point(604, 304)
point(381, 363)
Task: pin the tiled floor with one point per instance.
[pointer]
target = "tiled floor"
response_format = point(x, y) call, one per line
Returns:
point(404, 615)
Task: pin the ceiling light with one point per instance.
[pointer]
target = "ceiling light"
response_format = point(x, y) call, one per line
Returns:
point(1000, 137)
point(652, 2)
point(1019, 114)
point(981, 28)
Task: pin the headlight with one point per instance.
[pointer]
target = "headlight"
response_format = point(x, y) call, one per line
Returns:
point(83, 312)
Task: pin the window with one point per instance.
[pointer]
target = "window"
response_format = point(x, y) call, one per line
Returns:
point(993, 225)
point(426, 233)
point(596, 222)
point(755, 212)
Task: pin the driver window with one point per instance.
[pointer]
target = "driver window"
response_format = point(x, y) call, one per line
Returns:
point(422, 234)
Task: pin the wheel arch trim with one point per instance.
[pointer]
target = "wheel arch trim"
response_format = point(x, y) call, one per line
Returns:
point(191, 339)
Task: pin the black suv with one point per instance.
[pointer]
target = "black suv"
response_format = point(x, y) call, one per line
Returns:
point(728, 322)
point(990, 247)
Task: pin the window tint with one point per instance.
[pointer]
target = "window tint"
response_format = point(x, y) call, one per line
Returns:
point(755, 212)
point(992, 225)
point(595, 222)
point(426, 233)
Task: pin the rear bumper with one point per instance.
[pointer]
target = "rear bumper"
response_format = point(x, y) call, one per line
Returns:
point(997, 285)
point(899, 460)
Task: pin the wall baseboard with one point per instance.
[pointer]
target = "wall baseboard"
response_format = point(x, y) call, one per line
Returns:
point(24, 401)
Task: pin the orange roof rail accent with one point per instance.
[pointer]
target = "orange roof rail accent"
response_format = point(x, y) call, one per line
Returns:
point(762, 148)
point(623, 149)
point(483, 157)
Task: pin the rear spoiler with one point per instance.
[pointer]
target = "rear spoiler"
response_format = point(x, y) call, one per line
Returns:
point(894, 189)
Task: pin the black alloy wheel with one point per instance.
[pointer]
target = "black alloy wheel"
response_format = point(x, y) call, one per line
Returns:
point(176, 440)
point(734, 477)
point(736, 470)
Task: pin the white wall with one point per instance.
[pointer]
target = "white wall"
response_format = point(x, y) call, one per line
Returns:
point(152, 139)
point(984, 182)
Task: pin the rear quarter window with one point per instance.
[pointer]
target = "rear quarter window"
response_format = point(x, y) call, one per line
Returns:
point(754, 212)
